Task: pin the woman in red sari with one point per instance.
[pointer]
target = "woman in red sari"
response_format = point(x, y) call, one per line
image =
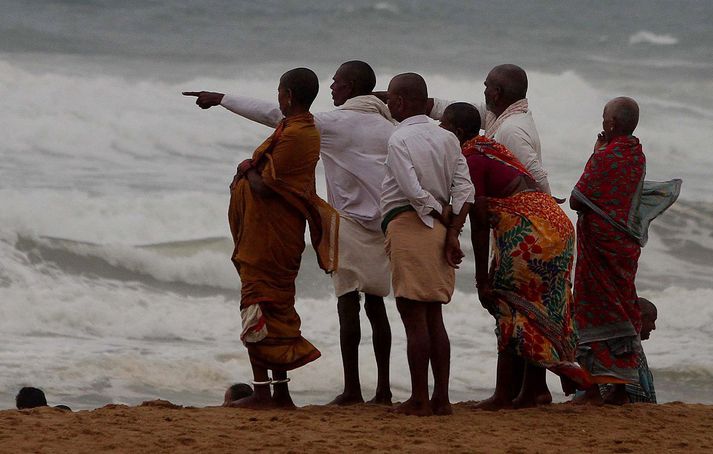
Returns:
point(607, 199)
point(528, 289)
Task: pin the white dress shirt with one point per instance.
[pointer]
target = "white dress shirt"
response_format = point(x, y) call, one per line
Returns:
point(353, 149)
point(519, 135)
point(425, 169)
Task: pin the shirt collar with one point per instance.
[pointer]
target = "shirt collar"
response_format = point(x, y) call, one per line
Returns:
point(414, 120)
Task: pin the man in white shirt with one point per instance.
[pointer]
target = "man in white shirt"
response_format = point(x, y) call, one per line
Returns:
point(507, 118)
point(425, 173)
point(353, 141)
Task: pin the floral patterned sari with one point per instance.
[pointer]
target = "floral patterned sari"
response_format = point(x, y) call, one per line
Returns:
point(530, 273)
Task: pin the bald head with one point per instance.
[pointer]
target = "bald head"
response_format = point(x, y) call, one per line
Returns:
point(623, 112)
point(407, 96)
point(303, 85)
point(649, 314)
point(512, 81)
point(410, 86)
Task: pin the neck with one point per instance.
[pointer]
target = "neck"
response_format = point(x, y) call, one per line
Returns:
point(295, 111)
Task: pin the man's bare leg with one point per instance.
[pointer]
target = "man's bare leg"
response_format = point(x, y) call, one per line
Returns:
point(261, 397)
point(413, 315)
point(534, 389)
point(349, 338)
point(502, 398)
point(440, 349)
point(281, 395)
point(381, 340)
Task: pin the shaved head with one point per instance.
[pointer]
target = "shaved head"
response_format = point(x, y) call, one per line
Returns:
point(407, 96)
point(303, 83)
point(512, 81)
point(625, 113)
point(647, 307)
point(410, 86)
point(649, 314)
point(361, 74)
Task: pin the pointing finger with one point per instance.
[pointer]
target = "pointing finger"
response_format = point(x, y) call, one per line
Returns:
point(192, 93)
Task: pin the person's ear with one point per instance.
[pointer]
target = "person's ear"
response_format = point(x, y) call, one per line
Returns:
point(460, 133)
point(289, 97)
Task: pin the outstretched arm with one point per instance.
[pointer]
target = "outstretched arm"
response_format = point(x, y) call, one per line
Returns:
point(263, 112)
point(205, 99)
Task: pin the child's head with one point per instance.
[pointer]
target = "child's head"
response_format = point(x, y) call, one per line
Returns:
point(648, 317)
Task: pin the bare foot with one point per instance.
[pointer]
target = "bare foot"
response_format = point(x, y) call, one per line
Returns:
point(412, 407)
point(617, 396)
point(441, 408)
point(347, 399)
point(493, 403)
point(283, 400)
point(529, 401)
point(255, 402)
point(590, 397)
point(381, 399)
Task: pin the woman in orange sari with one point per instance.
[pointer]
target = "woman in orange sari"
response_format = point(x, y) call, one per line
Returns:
point(528, 288)
point(273, 197)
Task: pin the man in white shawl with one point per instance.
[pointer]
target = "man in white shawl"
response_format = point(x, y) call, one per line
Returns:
point(507, 118)
point(354, 140)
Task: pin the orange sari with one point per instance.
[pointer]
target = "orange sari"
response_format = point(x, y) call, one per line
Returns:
point(268, 232)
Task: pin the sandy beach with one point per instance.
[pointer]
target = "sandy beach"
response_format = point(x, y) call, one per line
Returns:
point(159, 426)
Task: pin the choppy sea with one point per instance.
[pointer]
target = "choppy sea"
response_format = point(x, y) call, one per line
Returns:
point(115, 279)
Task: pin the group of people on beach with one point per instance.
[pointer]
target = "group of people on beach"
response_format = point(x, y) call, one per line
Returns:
point(400, 189)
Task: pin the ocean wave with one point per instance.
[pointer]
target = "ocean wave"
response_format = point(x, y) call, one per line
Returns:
point(647, 37)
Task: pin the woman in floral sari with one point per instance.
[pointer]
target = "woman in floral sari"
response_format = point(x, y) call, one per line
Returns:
point(528, 288)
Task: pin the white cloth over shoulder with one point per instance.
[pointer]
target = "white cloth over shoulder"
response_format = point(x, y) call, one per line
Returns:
point(425, 169)
point(353, 149)
point(517, 133)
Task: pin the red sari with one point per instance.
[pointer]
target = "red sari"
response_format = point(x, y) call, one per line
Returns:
point(606, 309)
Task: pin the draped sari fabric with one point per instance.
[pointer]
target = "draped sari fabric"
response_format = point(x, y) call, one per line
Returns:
point(530, 272)
point(606, 309)
point(268, 232)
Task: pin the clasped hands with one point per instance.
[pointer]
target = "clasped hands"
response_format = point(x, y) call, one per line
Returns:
point(453, 252)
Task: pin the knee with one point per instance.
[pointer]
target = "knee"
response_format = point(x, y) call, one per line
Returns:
point(348, 304)
point(374, 306)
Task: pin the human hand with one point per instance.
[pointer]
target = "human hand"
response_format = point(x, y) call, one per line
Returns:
point(454, 254)
point(601, 140)
point(205, 99)
point(242, 169)
point(486, 296)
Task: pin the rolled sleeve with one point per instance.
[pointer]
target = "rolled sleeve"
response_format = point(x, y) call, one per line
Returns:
point(462, 189)
point(263, 112)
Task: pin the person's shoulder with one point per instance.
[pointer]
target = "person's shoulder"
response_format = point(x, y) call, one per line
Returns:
point(518, 124)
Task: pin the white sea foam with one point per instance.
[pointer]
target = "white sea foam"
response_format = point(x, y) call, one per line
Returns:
point(120, 168)
point(647, 37)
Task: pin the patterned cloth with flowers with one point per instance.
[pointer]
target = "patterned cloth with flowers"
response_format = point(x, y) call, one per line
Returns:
point(530, 273)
